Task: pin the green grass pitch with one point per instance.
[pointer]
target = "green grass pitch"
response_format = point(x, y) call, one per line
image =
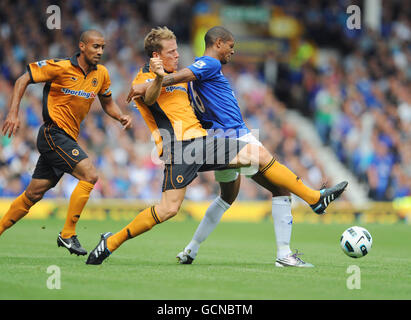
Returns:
point(236, 262)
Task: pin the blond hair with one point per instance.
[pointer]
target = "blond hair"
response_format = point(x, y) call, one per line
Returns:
point(152, 41)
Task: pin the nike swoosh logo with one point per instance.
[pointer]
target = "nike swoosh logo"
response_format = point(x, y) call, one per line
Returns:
point(68, 246)
point(362, 237)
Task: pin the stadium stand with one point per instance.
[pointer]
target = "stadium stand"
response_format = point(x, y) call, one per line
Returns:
point(358, 97)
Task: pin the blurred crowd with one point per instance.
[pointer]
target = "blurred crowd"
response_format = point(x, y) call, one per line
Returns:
point(360, 102)
point(359, 97)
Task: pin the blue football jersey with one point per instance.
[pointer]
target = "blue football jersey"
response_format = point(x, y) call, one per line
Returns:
point(213, 99)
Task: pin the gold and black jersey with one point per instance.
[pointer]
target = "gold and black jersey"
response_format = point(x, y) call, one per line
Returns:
point(68, 92)
point(171, 114)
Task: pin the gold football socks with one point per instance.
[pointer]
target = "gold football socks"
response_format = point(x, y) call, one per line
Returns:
point(18, 209)
point(143, 222)
point(78, 200)
point(280, 175)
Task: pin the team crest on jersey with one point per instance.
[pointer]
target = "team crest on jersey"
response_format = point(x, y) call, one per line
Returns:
point(180, 178)
point(41, 63)
point(94, 82)
point(75, 152)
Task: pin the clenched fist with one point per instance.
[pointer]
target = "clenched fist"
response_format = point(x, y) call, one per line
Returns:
point(156, 65)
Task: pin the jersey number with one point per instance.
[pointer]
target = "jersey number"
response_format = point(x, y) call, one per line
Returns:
point(197, 103)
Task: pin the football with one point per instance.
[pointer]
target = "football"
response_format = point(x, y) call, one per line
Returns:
point(356, 242)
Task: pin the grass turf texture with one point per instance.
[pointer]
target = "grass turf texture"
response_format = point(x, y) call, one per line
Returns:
point(236, 262)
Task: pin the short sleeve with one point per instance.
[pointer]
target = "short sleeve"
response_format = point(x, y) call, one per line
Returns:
point(205, 68)
point(105, 90)
point(43, 71)
point(142, 77)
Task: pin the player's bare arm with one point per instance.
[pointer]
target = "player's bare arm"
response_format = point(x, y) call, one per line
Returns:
point(184, 75)
point(113, 110)
point(154, 89)
point(12, 122)
point(137, 91)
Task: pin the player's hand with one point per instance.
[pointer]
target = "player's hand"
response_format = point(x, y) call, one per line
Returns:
point(137, 91)
point(156, 65)
point(11, 125)
point(125, 121)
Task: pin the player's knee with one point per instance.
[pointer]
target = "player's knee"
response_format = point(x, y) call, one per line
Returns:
point(170, 211)
point(86, 171)
point(91, 177)
point(34, 195)
point(280, 192)
point(264, 157)
point(173, 210)
point(229, 197)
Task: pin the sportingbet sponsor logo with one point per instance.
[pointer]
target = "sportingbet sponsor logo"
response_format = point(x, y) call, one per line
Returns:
point(79, 93)
point(172, 88)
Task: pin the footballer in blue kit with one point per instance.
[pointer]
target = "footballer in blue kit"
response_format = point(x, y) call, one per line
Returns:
point(213, 99)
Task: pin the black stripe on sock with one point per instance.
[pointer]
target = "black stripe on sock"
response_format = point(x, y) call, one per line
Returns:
point(153, 213)
point(129, 236)
point(268, 166)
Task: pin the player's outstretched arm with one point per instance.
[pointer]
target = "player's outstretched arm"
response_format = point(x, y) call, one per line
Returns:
point(12, 122)
point(139, 90)
point(113, 110)
point(184, 75)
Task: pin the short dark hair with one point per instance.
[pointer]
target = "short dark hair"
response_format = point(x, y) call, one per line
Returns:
point(215, 33)
point(84, 37)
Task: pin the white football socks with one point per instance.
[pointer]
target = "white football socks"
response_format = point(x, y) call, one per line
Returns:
point(283, 220)
point(209, 222)
point(281, 212)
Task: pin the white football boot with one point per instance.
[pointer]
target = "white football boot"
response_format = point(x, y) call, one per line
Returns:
point(292, 260)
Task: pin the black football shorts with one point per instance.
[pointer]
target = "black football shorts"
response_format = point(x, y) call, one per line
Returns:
point(59, 153)
point(184, 159)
